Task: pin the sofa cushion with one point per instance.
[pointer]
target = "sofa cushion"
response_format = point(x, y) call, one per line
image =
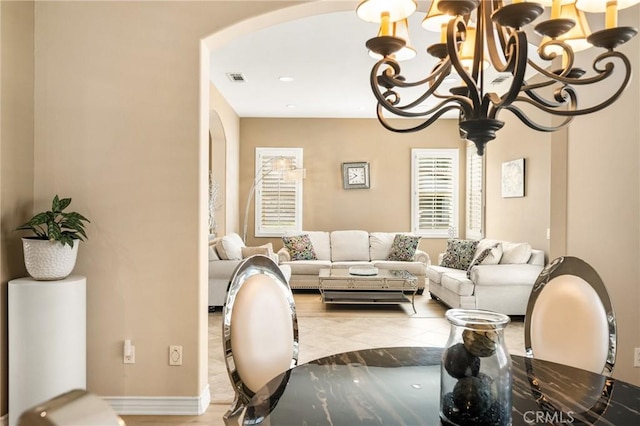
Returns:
point(515, 252)
point(229, 247)
point(434, 273)
point(380, 244)
point(319, 240)
point(458, 283)
point(403, 247)
point(349, 245)
point(213, 254)
point(265, 249)
point(459, 254)
point(416, 268)
point(300, 247)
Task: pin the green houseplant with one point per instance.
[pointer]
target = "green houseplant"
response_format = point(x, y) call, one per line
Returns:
point(51, 253)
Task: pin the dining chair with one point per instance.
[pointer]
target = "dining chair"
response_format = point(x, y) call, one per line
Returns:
point(76, 407)
point(570, 318)
point(259, 329)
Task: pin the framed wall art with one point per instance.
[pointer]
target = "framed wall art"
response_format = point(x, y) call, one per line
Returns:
point(513, 178)
point(355, 175)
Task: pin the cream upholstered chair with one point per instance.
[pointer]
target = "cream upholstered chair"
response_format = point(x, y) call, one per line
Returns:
point(570, 319)
point(259, 329)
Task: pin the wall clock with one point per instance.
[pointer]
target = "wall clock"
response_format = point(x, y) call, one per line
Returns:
point(355, 175)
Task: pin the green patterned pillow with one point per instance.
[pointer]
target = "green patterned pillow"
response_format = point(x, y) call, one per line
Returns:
point(300, 247)
point(459, 254)
point(403, 248)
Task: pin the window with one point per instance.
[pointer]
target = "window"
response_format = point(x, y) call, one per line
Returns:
point(434, 192)
point(475, 201)
point(278, 206)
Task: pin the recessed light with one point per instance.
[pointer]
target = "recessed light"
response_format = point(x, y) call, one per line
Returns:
point(291, 106)
point(285, 79)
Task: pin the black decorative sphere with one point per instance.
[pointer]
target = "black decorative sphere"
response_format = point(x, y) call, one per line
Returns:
point(472, 396)
point(460, 363)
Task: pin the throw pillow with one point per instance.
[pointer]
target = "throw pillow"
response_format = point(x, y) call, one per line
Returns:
point(230, 247)
point(403, 248)
point(459, 254)
point(300, 247)
point(265, 249)
point(517, 253)
point(485, 257)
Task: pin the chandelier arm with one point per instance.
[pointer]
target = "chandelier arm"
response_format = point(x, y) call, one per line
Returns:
point(472, 86)
point(534, 125)
point(566, 97)
point(492, 44)
point(390, 98)
point(394, 79)
point(519, 43)
point(574, 111)
point(461, 102)
point(421, 126)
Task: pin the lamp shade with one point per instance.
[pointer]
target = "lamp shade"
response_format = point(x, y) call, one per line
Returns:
point(435, 18)
point(400, 29)
point(372, 10)
point(599, 6)
point(576, 37)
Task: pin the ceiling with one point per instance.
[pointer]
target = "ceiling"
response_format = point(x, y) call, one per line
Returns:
point(327, 59)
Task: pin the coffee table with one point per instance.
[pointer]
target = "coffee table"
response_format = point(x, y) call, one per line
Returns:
point(385, 287)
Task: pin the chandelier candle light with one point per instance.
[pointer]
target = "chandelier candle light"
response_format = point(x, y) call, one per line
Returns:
point(477, 34)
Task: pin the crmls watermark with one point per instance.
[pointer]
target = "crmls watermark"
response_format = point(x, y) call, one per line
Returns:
point(544, 417)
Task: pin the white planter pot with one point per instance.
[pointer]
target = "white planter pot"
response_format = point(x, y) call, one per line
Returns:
point(49, 260)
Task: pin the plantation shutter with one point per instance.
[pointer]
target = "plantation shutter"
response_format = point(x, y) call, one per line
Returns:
point(475, 179)
point(435, 192)
point(278, 206)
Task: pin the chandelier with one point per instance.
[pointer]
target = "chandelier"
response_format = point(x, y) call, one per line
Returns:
point(477, 34)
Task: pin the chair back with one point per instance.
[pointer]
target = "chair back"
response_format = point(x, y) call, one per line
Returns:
point(259, 327)
point(570, 319)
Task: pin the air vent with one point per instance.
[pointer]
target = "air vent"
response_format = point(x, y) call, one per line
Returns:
point(236, 77)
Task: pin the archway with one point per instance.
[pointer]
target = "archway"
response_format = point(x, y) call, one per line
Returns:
point(230, 125)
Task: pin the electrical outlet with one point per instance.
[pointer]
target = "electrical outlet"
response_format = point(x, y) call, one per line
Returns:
point(128, 353)
point(636, 357)
point(175, 355)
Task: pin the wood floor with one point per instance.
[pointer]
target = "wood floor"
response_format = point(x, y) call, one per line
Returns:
point(328, 329)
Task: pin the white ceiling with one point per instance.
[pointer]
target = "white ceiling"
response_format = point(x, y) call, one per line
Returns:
point(326, 56)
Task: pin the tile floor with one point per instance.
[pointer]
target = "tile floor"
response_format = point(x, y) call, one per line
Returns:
point(327, 329)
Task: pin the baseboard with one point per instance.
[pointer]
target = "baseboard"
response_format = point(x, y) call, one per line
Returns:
point(4, 420)
point(161, 405)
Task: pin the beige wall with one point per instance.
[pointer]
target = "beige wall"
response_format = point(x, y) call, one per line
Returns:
point(16, 152)
point(603, 216)
point(523, 218)
point(327, 143)
point(117, 128)
point(224, 160)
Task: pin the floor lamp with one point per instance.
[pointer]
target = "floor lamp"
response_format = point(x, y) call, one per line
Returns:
point(282, 165)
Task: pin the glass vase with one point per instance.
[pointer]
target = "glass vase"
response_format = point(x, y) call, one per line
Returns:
point(476, 374)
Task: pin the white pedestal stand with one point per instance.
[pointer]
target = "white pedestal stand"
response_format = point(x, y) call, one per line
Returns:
point(47, 340)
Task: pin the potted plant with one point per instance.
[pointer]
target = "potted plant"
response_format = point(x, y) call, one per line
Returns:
point(51, 253)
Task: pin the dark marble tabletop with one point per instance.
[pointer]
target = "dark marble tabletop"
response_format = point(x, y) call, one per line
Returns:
point(401, 386)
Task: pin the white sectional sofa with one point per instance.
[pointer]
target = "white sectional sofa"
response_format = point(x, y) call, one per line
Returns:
point(501, 282)
point(343, 249)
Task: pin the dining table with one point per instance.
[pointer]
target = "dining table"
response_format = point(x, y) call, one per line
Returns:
point(401, 386)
